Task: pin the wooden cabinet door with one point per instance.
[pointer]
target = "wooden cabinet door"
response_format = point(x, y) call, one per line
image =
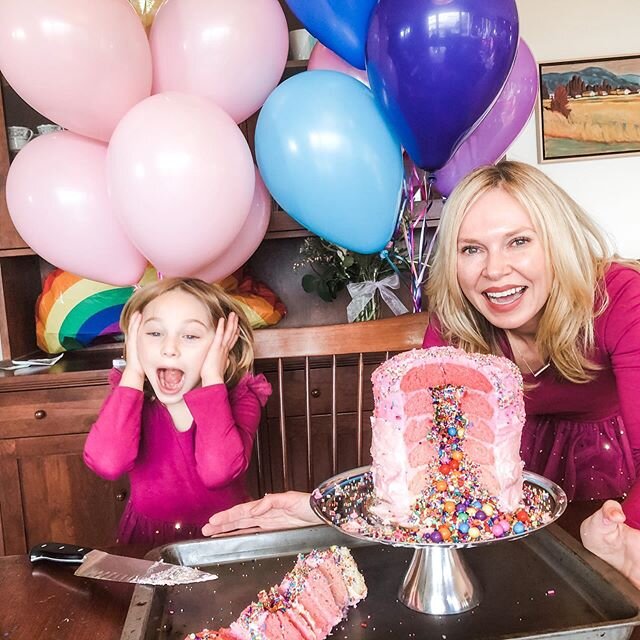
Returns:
point(47, 493)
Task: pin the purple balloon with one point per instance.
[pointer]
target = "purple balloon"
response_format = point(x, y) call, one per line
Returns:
point(499, 128)
point(436, 66)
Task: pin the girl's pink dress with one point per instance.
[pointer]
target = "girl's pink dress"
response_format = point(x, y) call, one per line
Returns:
point(178, 479)
point(586, 437)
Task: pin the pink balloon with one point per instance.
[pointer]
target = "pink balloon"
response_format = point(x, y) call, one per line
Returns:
point(323, 58)
point(499, 127)
point(57, 198)
point(231, 51)
point(81, 64)
point(247, 241)
point(181, 178)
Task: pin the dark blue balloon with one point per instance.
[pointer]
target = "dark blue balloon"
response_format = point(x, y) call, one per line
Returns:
point(436, 66)
point(341, 25)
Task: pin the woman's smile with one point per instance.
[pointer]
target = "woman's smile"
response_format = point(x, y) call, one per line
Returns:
point(505, 298)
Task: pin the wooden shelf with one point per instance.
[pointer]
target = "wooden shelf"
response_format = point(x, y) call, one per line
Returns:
point(284, 226)
point(296, 64)
point(12, 253)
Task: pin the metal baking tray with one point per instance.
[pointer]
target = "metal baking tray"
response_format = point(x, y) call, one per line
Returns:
point(543, 586)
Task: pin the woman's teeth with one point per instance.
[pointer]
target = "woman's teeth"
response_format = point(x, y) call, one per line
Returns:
point(505, 297)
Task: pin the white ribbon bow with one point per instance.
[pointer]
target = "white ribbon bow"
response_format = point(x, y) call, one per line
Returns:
point(363, 292)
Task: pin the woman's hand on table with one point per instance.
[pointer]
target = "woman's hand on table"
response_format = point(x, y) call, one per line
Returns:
point(606, 535)
point(275, 511)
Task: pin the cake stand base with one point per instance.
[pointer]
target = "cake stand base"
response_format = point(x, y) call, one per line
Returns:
point(439, 582)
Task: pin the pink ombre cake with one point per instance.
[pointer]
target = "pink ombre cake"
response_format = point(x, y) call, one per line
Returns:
point(449, 423)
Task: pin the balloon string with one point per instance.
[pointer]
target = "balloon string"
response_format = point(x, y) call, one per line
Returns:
point(428, 190)
point(425, 191)
point(429, 251)
point(411, 263)
point(420, 258)
point(390, 255)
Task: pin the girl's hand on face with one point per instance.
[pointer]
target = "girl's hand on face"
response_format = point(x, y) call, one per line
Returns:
point(133, 374)
point(605, 534)
point(217, 359)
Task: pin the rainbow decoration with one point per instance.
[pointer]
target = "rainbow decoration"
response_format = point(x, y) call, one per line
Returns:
point(260, 304)
point(74, 312)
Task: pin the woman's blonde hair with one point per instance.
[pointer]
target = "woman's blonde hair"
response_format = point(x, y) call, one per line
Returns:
point(219, 304)
point(577, 255)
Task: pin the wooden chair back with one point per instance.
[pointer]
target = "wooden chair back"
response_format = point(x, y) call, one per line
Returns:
point(316, 423)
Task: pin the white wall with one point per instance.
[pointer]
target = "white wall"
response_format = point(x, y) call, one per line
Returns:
point(572, 30)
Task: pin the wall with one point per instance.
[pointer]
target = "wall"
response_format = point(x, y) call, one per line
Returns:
point(572, 30)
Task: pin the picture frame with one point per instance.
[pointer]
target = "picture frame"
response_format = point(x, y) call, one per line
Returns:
point(589, 108)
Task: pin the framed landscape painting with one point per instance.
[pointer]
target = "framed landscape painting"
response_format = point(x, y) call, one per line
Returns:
point(589, 108)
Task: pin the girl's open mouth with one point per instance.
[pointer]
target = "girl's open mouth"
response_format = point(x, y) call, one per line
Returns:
point(170, 380)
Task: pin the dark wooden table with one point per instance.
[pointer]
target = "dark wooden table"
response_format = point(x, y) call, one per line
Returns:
point(47, 601)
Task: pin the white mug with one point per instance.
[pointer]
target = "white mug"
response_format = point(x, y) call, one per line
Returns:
point(301, 42)
point(18, 137)
point(48, 128)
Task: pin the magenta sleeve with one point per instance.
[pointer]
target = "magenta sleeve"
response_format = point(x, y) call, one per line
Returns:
point(622, 340)
point(111, 447)
point(226, 424)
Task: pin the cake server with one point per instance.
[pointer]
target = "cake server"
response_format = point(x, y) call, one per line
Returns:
point(107, 566)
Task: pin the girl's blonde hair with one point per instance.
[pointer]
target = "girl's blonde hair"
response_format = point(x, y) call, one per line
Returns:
point(577, 255)
point(219, 304)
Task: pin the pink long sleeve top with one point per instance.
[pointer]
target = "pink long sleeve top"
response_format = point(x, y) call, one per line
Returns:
point(586, 437)
point(178, 479)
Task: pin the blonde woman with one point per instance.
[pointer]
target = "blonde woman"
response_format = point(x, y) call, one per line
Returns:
point(521, 271)
point(182, 416)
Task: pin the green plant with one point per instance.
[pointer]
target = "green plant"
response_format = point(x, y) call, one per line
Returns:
point(334, 267)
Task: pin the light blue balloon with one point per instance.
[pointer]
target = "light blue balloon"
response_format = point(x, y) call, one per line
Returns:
point(328, 158)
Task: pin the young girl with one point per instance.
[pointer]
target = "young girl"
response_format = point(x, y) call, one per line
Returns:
point(182, 416)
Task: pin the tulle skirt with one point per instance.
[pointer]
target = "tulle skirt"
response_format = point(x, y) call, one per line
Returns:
point(589, 460)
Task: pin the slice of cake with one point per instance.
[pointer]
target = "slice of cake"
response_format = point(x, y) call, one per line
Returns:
point(444, 419)
point(311, 599)
point(346, 582)
point(271, 618)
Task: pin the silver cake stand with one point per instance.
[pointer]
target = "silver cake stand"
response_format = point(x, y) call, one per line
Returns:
point(439, 581)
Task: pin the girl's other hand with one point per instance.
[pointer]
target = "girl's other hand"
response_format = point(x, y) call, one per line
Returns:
point(605, 534)
point(133, 374)
point(275, 511)
point(217, 359)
